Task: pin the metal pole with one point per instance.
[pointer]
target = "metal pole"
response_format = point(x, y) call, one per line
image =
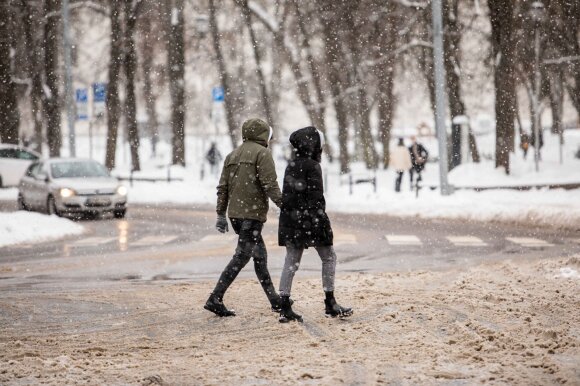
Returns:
point(91, 138)
point(561, 145)
point(70, 112)
point(440, 96)
point(537, 81)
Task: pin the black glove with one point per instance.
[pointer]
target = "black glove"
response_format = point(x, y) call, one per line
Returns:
point(222, 224)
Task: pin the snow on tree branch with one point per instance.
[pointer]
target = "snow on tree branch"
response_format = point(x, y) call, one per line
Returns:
point(268, 20)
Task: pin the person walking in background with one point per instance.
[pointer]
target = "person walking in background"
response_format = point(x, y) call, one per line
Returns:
point(248, 179)
point(419, 156)
point(304, 223)
point(214, 157)
point(400, 161)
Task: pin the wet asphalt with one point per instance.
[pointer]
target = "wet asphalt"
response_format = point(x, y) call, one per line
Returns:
point(171, 242)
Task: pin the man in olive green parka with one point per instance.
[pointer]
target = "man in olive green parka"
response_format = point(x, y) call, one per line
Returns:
point(248, 179)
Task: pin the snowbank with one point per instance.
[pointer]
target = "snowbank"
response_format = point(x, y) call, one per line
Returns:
point(20, 227)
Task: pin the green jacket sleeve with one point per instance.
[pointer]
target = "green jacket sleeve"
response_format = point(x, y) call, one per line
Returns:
point(223, 191)
point(266, 173)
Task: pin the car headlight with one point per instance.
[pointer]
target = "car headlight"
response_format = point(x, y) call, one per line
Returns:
point(66, 192)
point(121, 190)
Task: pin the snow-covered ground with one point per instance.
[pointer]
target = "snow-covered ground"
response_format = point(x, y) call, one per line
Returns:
point(541, 207)
point(21, 227)
point(559, 208)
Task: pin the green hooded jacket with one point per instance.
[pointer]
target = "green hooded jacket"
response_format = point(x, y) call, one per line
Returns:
point(249, 176)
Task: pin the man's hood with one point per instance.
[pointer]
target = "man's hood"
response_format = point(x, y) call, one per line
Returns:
point(256, 130)
point(307, 142)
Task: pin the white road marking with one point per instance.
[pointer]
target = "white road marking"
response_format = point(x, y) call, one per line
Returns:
point(529, 242)
point(344, 238)
point(403, 240)
point(153, 240)
point(466, 241)
point(92, 241)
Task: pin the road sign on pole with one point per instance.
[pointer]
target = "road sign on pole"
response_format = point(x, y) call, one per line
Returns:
point(82, 103)
point(99, 99)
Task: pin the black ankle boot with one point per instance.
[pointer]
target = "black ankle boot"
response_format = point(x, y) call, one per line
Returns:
point(287, 314)
point(333, 309)
point(215, 305)
point(277, 304)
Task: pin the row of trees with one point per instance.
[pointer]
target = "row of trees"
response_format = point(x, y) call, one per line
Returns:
point(343, 56)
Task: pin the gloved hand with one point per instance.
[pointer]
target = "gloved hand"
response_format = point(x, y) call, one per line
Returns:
point(222, 224)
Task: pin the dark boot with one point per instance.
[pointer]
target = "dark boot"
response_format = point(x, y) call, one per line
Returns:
point(287, 314)
point(333, 309)
point(277, 304)
point(215, 305)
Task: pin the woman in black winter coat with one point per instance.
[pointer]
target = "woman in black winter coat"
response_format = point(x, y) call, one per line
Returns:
point(303, 221)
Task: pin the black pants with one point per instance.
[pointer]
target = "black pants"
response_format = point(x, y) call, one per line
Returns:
point(250, 244)
point(398, 180)
point(417, 170)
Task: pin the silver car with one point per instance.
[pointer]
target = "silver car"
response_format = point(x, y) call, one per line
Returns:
point(69, 186)
point(14, 160)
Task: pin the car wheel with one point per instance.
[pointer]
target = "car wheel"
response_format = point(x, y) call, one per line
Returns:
point(51, 206)
point(21, 203)
point(120, 213)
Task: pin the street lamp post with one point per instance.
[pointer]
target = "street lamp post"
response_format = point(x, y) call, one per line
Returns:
point(446, 189)
point(536, 14)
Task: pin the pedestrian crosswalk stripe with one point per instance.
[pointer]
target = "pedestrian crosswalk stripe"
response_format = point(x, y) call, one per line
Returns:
point(220, 237)
point(154, 240)
point(91, 241)
point(403, 240)
point(529, 242)
point(466, 241)
point(344, 238)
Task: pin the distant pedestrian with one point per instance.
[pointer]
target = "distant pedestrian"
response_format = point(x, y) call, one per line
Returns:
point(525, 143)
point(248, 179)
point(419, 156)
point(400, 161)
point(304, 223)
point(214, 157)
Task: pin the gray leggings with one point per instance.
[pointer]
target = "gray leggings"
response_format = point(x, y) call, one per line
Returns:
point(292, 263)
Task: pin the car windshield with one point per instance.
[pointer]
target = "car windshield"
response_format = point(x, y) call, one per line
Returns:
point(78, 170)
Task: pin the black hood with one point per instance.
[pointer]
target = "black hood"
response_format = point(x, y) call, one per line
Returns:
point(307, 143)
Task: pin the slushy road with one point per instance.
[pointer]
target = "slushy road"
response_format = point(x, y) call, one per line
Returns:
point(168, 242)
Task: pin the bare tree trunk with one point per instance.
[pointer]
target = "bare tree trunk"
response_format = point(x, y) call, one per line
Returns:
point(112, 101)
point(9, 116)
point(35, 73)
point(556, 99)
point(452, 65)
point(361, 105)
point(224, 77)
point(501, 15)
point(335, 67)
point(130, 62)
point(319, 109)
point(176, 65)
point(149, 94)
point(51, 105)
point(385, 74)
point(243, 4)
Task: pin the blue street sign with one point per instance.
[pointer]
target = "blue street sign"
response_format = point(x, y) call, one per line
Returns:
point(82, 102)
point(82, 95)
point(217, 94)
point(99, 92)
